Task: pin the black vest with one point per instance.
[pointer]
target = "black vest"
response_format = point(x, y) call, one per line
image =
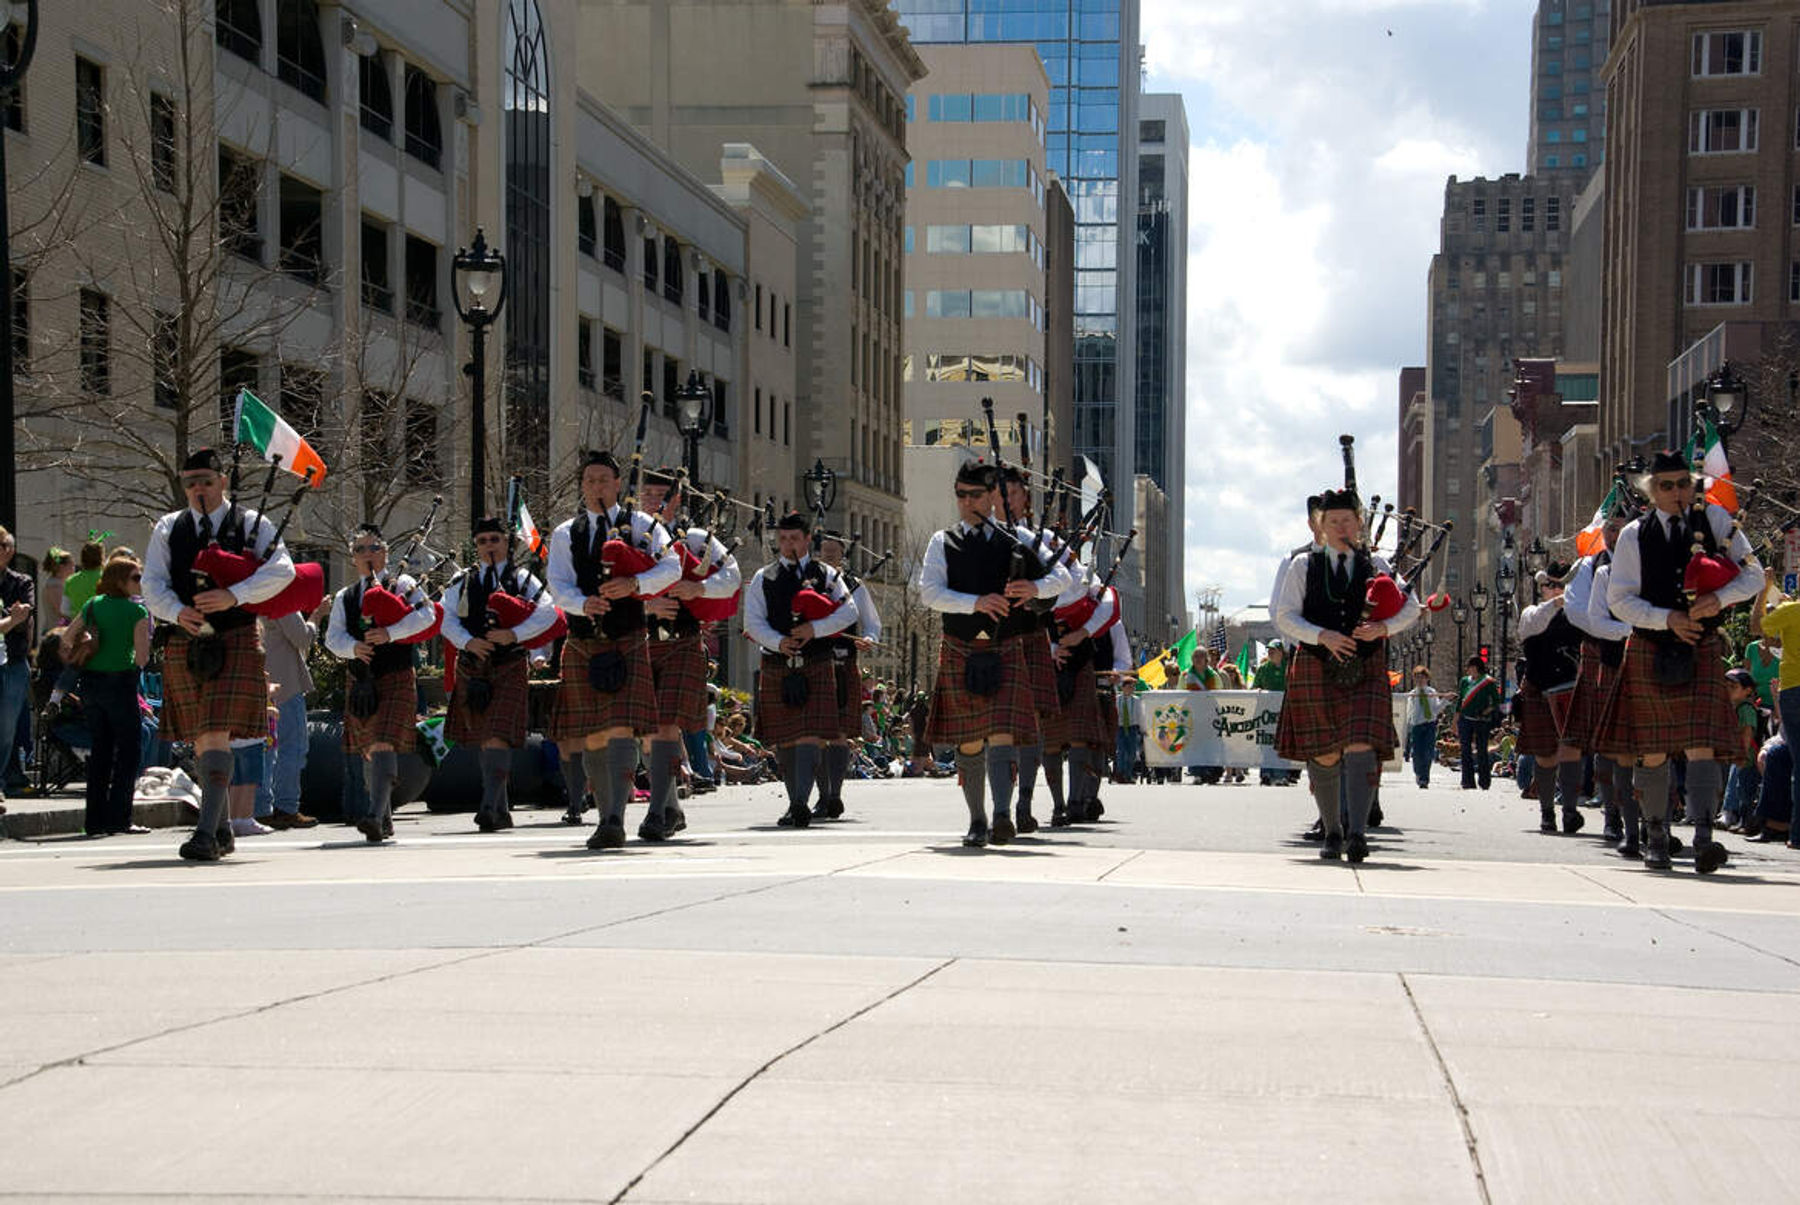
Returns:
point(780, 587)
point(978, 563)
point(1663, 565)
point(473, 612)
point(1553, 656)
point(626, 614)
point(1337, 613)
point(389, 657)
point(184, 546)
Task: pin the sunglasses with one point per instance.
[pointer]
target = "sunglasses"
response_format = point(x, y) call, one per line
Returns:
point(971, 493)
point(1669, 487)
point(362, 548)
point(490, 539)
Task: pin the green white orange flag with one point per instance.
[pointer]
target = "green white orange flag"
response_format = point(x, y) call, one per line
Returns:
point(269, 434)
point(1706, 451)
point(1590, 539)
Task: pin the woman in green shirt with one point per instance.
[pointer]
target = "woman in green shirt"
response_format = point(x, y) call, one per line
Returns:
point(109, 693)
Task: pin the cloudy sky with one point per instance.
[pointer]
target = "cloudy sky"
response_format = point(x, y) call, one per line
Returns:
point(1322, 134)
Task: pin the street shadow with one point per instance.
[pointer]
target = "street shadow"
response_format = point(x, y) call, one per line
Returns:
point(1009, 850)
point(638, 850)
point(174, 860)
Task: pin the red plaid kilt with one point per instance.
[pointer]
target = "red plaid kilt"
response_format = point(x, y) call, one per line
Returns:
point(779, 724)
point(1053, 726)
point(1592, 688)
point(1319, 718)
point(678, 668)
point(1109, 716)
point(581, 710)
point(1083, 721)
point(508, 714)
point(849, 695)
point(237, 701)
point(959, 717)
point(394, 722)
point(1537, 727)
point(1643, 716)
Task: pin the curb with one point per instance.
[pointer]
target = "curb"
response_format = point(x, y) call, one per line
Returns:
point(22, 826)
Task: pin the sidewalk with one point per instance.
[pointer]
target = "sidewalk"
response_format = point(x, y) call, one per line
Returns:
point(60, 814)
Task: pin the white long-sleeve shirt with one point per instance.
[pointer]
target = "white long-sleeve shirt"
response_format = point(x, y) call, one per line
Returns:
point(340, 643)
point(727, 581)
point(756, 605)
point(1290, 616)
point(535, 624)
point(1535, 619)
point(1578, 593)
point(1281, 570)
point(268, 581)
point(868, 619)
point(1083, 583)
point(1601, 621)
point(1627, 580)
point(934, 576)
point(646, 533)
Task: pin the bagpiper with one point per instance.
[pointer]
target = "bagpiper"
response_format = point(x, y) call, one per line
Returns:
point(1674, 572)
point(490, 704)
point(977, 573)
point(706, 593)
point(373, 621)
point(1612, 633)
point(860, 637)
point(1336, 715)
point(215, 683)
point(1040, 665)
point(1082, 614)
point(1602, 650)
point(792, 608)
point(604, 562)
point(1551, 643)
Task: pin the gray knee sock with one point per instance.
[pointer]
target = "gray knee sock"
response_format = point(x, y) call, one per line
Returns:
point(1030, 756)
point(665, 758)
point(593, 768)
point(837, 769)
point(1625, 791)
point(496, 768)
point(806, 770)
point(379, 771)
point(1000, 762)
point(1568, 784)
point(784, 760)
point(621, 767)
point(1603, 784)
point(1326, 782)
point(214, 769)
point(1703, 788)
point(1359, 788)
point(973, 769)
point(1081, 760)
point(1653, 785)
point(1053, 777)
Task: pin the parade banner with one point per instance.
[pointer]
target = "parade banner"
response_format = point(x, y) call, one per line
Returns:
point(1230, 728)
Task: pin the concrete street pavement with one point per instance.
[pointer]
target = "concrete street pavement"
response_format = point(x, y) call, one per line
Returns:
point(1181, 1003)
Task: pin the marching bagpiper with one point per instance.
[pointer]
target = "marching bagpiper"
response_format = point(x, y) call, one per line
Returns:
point(976, 574)
point(215, 683)
point(793, 608)
point(490, 705)
point(1551, 643)
point(860, 636)
point(706, 593)
point(373, 623)
point(1674, 572)
point(1082, 615)
point(1040, 665)
point(611, 556)
point(1602, 650)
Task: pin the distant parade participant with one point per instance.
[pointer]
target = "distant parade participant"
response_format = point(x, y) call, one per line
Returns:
point(1674, 572)
point(1613, 633)
point(861, 636)
point(215, 683)
point(604, 562)
point(1040, 666)
point(1337, 716)
point(1477, 711)
point(1078, 691)
point(982, 701)
point(1602, 650)
point(677, 651)
point(1551, 643)
point(792, 608)
point(381, 706)
point(490, 708)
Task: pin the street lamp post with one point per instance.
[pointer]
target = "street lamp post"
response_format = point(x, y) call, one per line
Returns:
point(1459, 615)
point(692, 403)
point(1478, 599)
point(821, 492)
point(1727, 401)
point(10, 75)
point(1506, 583)
point(478, 271)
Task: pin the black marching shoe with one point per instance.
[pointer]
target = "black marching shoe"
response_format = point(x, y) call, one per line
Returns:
point(1002, 832)
point(1656, 850)
point(1357, 848)
point(1027, 823)
point(371, 831)
point(225, 839)
point(485, 821)
point(1095, 809)
point(199, 848)
point(1333, 849)
point(678, 821)
point(1572, 820)
point(1059, 816)
point(796, 817)
point(503, 819)
point(1315, 833)
point(387, 826)
point(1546, 818)
point(655, 827)
point(609, 835)
point(1375, 816)
point(976, 837)
point(1710, 856)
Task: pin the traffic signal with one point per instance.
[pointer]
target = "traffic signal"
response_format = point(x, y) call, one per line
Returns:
point(1483, 653)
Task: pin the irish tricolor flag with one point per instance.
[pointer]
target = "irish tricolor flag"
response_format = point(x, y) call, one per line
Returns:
point(1706, 451)
point(264, 430)
point(1592, 539)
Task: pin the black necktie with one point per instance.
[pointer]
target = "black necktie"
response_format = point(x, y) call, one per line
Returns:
point(490, 579)
point(1675, 531)
point(206, 529)
point(1340, 574)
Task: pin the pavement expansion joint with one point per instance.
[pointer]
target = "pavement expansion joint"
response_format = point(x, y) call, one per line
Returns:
point(1456, 1102)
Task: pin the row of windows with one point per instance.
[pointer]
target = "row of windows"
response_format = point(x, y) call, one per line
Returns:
point(980, 303)
point(980, 240)
point(1504, 280)
point(1718, 284)
point(608, 376)
point(601, 236)
point(982, 106)
point(1736, 52)
point(1722, 131)
point(1576, 160)
point(981, 173)
point(1004, 367)
point(1554, 136)
point(1527, 212)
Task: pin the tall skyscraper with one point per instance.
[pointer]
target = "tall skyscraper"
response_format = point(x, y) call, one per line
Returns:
point(1089, 49)
point(1569, 39)
point(1161, 321)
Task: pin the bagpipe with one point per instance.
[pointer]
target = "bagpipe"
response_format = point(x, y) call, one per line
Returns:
point(383, 608)
point(215, 568)
point(697, 567)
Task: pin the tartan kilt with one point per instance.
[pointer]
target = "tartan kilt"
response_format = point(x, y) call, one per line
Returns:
point(395, 721)
point(961, 717)
point(237, 701)
point(849, 695)
point(508, 714)
point(1642, 716)
point(1318, 717)
point(1109, 716)
point(1593, 686)
point(678, 669)
point(1537, 727)
point(779, 724)
point(581, 710)
point(1083, 721)
point(1053, 726)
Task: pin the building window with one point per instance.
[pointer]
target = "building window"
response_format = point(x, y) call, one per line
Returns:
point(584, 353)
point(759, 307)
point(421, 434)
point(1527, 215)
point(424, 135)
point(721, 300)
point(238, 369)
point(162, 142)
point(673, 276)
point(1738, 52)
point(1503, 218)
point(299, 48)
point(1721, 131)
point(1718, 284)
point(376, 97)
point(21, 321)
point(703, 294)
point(422, 284)
point(671, 384)
point(587, 236)
point(614, 219)
point(302, 253)
point(12, 103)
point(651, 261)
point(612, 364)
point(96, 343)
point(787, 423)
point(1553, 214)
point(787, 324)
point(239, 28)
point(90, 111)
point(647, 372)
point(756, 410)
point(240, 182)
point(1797, 204)
point(303, 398)
point(165, 350)
point(1731, 207)
point(377, 279)
point(721, 425)
point(1794, 281)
